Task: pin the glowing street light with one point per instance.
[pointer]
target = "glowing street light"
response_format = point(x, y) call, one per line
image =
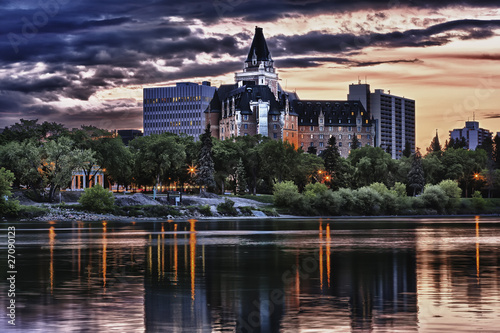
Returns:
point(192, 170)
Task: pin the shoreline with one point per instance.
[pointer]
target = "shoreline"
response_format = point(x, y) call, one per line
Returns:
point(191, 210)
point(72, 216)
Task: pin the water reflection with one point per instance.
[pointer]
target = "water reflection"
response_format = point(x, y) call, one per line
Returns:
point(259, 276)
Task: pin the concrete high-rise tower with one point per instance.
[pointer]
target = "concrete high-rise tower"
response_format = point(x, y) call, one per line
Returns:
point(394, 117)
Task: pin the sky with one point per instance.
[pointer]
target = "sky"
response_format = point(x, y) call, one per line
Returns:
point(85, 62)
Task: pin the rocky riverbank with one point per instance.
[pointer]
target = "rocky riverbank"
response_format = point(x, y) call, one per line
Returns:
point(139, 206)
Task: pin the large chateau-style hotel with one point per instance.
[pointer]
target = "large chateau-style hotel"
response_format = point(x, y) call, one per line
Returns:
point(257, 104)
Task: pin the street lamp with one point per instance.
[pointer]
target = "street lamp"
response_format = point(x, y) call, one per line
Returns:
point(192, 170)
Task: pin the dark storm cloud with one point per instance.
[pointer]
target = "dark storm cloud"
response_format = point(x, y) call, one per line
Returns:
point(88, 45)
point(439, 34)
point(319, 61)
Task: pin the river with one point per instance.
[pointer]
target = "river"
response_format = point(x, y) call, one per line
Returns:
point(253, 275)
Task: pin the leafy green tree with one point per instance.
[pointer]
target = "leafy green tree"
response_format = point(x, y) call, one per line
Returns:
point(250, 156)
point(462, 165)
point(59, 160)
point(433, 169)
point(192, 150)
point(109, 152)
point(416, 179)
point(305, 168)
point(44, 166)
point(8, 207)
point(23, 159)
point(97, 199)
point(32, 130)
point(226, 155)
point(278, 160)
point(155, 157)
point(372, 164)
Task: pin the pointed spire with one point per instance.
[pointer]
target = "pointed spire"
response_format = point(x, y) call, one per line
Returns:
point(259, 47)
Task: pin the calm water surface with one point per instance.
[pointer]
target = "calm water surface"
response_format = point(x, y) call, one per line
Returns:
point(330, 275)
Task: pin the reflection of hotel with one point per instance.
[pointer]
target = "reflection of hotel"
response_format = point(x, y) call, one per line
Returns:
point(195, 285)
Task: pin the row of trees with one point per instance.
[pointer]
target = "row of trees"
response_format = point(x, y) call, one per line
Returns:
point(43, 157)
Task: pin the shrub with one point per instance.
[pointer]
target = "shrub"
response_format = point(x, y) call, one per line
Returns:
point(246, 211)
point(316, 188)
point(379, 187)
point(227, 208)
point(477, 201)
point(347, 196)
point(8, 207)
point(97, 199)
point(286, 194)
point(331, 202)
point(400, 189)
point(434, 197)
point(450, 187)
point(367, 201)
point(205, 210)
point(269, 211)
point(30, 212)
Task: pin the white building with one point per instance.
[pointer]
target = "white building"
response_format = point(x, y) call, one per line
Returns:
point(394, 117)
point(473, 134)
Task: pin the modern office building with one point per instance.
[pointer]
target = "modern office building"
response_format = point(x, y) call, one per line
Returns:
point(177, 109)
point(394, 117)
point(473, 134)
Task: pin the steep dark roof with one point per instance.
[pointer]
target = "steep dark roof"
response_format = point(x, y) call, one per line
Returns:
point(259, 47)
point(335, 112)
point(243, 96)
point(214, 106)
